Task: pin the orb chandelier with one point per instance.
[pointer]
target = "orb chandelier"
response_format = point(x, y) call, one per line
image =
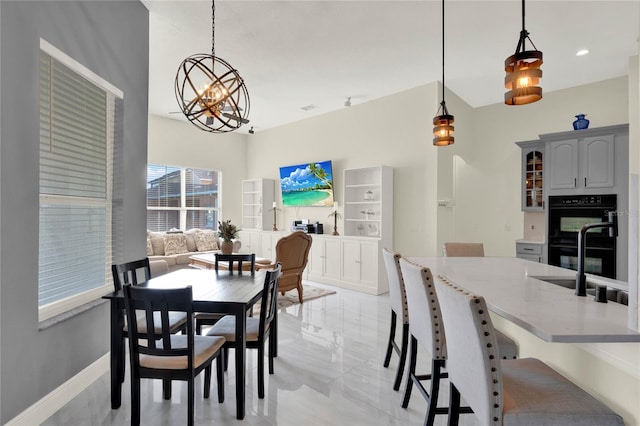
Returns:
point(523, 72)
point(443, 121)
point(210, 92)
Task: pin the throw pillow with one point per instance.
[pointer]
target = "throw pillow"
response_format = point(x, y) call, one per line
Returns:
point(157, 242)
point(190, 235)
point(149, 246)
point(206, 241)
point(175, 244)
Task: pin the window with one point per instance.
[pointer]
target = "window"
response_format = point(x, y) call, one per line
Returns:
point(80, 123)
point(182, 198)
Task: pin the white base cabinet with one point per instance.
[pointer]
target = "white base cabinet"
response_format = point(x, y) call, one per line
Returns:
point(360, 264)
point(324, 259)
point(349, 262)
point(354, 263)
point(251, 241)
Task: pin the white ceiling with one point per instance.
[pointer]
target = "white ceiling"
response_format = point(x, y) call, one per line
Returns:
point(297, 53)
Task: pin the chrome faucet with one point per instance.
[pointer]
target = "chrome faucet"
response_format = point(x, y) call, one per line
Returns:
point(581, 279)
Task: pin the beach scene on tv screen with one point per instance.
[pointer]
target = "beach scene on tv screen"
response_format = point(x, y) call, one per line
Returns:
point(309, 184)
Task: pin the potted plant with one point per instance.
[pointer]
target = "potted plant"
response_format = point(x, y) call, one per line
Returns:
point(228, 232)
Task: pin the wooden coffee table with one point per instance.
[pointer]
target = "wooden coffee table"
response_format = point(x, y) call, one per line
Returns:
point(208, 261)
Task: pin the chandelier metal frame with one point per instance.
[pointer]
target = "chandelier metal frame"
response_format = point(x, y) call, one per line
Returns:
point(210, 92)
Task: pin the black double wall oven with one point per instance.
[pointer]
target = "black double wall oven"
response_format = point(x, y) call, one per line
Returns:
point(567, 214)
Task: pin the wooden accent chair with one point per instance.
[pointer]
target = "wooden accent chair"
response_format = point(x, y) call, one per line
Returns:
point(463, 249)
point(258, 330)
point(506, 392)
point(398, 299)
point(172, 356)
point(292, 252)
point(209, 318)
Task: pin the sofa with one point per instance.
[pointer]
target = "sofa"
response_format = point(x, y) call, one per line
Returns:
point(176, 247)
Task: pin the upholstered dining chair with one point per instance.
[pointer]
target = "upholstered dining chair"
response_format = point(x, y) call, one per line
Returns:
point(450, 249)
point(169, 356)
point(210, 318)
point(398, 299)
point(425, 325)
point(258, 330)
point(506, 392)
point(292, 252)
point(135, 272)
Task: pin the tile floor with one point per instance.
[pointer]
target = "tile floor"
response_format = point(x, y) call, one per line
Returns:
point(328, 372)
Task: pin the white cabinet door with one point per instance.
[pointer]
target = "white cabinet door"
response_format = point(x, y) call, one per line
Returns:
point(315, 264)
point(351, 260)
point(368, 262)
point(266, 249)
point(360, 261)
point(597, 161)
point(324, 258)
point(332, 258)
point(563, 162)
point(250, 242)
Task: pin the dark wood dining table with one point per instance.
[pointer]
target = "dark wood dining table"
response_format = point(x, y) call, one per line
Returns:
point(223, 292)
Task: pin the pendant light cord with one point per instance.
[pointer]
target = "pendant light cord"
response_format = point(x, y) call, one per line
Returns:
point(524, 35)
point(443, 52)
point(213, 28)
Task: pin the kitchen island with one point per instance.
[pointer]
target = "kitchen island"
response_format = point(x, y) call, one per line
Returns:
point(515, 290)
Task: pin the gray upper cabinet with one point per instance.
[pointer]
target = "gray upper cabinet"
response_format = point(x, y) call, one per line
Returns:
point(591, 161)
point(598, 162)
point(584, 161)
point(563, 164)
point(533, 157)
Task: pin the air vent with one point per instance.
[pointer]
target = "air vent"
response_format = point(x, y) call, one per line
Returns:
point(309, 107)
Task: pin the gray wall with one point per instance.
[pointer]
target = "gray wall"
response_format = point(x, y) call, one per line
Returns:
point(112, 39)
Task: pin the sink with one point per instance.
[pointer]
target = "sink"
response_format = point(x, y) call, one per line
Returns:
point(566, 283)
point(613, 295)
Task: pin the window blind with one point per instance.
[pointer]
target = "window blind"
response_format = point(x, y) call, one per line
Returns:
point(77, 128)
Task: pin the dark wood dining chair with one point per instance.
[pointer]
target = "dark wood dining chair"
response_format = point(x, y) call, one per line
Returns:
point(169, 356)
point(134, 273)
point(258, 330)
point(208, 318)
point(238, 259)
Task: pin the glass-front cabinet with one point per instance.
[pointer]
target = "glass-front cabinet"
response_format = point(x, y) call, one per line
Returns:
point(532, 175)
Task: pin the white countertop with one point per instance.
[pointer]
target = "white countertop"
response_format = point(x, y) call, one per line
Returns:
point(551, 312)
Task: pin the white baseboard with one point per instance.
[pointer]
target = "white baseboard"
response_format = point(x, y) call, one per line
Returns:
point(59, 397)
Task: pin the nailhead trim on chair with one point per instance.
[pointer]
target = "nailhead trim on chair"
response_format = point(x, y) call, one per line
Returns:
point(405, 308)
point(440, 352)
point(491, 351)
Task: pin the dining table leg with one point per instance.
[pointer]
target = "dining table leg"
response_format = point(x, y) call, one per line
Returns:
point(240, 349)
point(117, 352)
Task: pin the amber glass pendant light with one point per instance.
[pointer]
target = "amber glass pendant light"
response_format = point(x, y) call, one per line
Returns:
point(523, 72)
point(443, 121)
point(210, 92)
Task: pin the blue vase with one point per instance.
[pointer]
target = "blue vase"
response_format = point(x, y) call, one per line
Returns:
point(581, 122)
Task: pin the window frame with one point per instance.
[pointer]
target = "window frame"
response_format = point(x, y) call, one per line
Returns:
point(183, 209)
point(112, 95)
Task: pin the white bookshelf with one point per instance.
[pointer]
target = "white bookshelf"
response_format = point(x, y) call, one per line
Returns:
point(257, 201)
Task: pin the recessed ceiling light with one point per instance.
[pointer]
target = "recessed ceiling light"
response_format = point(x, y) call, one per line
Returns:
point(582, 52)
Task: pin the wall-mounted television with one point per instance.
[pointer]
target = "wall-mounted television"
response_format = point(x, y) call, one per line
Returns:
point(308, 185)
